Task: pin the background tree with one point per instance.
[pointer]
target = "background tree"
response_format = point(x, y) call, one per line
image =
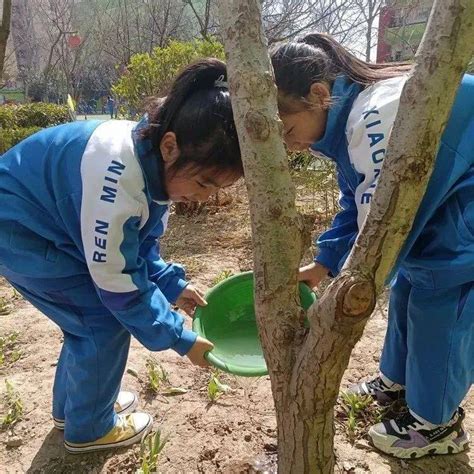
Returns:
point(25, 42)
point(110, 32)
point(204, 14)
point(151, 74)
point(4, 32)
point(306, 366)
point(369, 11)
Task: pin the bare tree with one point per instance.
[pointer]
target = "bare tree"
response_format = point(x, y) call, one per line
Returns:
point(126, 27)
point(306, 366)
point(110, 32)
point(4, 32)
point(285, 19)
point(63, 59)
point(204, 16)
point(25, 42)
point(370, 10)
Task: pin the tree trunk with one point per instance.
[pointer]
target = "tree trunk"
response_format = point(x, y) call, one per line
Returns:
point(306, 367)
point(4, 32)
point(24, 40)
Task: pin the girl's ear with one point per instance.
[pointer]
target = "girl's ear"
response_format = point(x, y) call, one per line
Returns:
point(169, 148)
point(319, 95)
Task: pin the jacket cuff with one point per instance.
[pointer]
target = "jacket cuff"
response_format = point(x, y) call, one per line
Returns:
point(328, 258)
point(185, 342)
point(176, 289)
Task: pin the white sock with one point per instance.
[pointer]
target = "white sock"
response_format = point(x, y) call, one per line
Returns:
point(427, 423)
point(389, 383)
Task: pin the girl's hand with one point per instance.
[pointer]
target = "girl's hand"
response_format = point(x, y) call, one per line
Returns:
point(189, 299)
point(199, 350)
point(313, 274)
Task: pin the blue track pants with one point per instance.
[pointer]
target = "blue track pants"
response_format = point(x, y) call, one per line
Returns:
point(429, 346)
point(92, 359)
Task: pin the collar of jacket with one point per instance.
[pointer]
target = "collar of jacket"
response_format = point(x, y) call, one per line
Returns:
point(151, 163)
point(343, 94)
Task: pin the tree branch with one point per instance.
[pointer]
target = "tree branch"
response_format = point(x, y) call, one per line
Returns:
point(4, 32)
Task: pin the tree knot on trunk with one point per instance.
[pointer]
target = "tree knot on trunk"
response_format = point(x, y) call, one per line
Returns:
point(356, 295)
point(257, 125)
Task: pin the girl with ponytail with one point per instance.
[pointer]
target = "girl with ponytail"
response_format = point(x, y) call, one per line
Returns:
point(336, 105)
point(84, 205)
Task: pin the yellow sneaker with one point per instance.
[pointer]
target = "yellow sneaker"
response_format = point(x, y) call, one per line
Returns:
point(126, 403)
point(129, 429)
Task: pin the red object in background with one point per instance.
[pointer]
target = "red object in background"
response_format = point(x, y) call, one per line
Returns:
point(385, 21)
point(74, 41)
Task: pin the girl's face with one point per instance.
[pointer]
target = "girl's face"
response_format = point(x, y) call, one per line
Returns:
point(305, 123)
point(187, 185)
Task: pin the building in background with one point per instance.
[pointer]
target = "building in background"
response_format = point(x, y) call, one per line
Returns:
point(401, 27)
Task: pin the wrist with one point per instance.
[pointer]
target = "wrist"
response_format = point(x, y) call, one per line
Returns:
point(185, 342)
point(321, 269)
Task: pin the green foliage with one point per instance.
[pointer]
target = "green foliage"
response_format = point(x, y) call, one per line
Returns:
point(223, 275)
point(358, 412)
point(316, 184)
point(156, 375)
point(10, 137)
point(150, 449)
point(215, 388)
point(38, 114)
point(20, 121)
point(8, 351)
point(151, 74)
point(14, 406)
point(470, 66)
point(299, 160)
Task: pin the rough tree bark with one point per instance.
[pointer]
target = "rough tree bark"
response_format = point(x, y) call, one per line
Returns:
point(306, 367)
point(4, 32)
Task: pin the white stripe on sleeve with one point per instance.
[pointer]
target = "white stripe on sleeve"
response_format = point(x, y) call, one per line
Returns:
point(112, 192)
point(368, 130)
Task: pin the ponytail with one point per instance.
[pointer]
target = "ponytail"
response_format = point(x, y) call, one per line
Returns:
point(197, 79)
point(346, 63)
point(198, 110)
point(318, 57)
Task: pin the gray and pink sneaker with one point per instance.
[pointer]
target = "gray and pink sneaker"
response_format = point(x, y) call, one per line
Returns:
point(380, 388)
point(407, 437)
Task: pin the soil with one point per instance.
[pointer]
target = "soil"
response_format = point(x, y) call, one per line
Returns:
point(236, 433)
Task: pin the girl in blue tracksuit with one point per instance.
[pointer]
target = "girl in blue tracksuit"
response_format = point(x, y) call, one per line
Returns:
point(343, 108)
point(82, 208)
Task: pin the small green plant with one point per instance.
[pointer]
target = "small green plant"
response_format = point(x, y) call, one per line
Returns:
point(359, 412)
point(157, 379)
point(223, 275)
point(150, 449)
point(215, 388)
point(5, 306)
point(156, 375)
point(8, 350)
point(16, 296)
point(14, 406)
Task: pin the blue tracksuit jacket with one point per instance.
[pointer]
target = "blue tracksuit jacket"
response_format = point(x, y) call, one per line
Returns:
point(439, 251)
point(85, 200)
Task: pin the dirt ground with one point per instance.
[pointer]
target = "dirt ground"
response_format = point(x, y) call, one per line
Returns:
point(235, 434)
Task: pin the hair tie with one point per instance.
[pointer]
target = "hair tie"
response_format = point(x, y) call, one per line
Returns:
point(219, 82)
point(156, 125)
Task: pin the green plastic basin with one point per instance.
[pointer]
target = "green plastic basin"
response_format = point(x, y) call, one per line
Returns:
point(228, 321)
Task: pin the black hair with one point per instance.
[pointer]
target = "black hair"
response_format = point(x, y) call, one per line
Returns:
point(318, 57)
point(199, 112)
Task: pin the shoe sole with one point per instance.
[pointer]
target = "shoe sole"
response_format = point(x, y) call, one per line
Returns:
point(445, 447)
point(59, 424)
point(120, 444)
